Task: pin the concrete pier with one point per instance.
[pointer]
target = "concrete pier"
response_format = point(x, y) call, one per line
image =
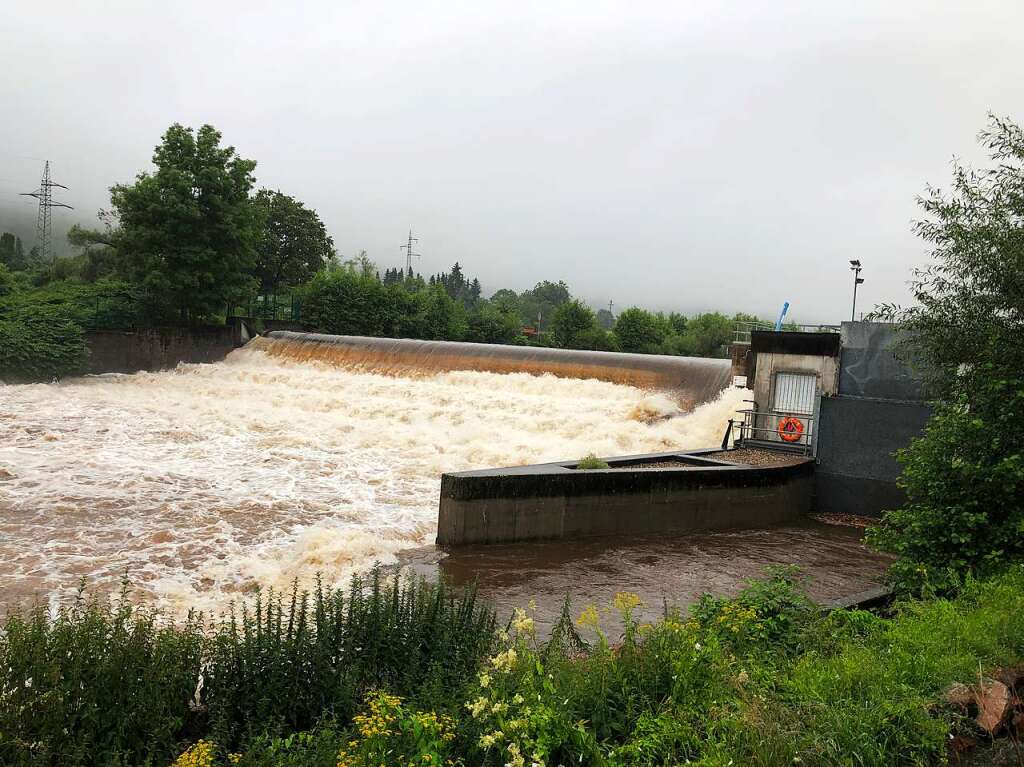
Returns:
point(555, 500)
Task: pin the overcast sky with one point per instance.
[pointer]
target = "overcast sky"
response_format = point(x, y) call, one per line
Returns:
point(683, 156)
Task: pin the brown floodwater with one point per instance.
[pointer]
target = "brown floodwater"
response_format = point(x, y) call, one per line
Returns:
point(207, 482)
point(661, 570)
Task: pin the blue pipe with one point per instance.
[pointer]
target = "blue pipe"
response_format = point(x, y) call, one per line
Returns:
point(782, 315)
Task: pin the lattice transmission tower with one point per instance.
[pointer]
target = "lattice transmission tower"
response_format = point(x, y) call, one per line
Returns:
point(44, 224)
point(409, 254)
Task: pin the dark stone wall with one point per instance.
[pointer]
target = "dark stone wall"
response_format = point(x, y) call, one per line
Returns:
point(112, 351)
point(552, 501)
point(857, 440)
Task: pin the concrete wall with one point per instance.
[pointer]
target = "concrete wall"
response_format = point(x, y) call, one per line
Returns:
point(869, 366)
point(552, 501)
point(112, 351)
point(858, 437)
point(880, 409)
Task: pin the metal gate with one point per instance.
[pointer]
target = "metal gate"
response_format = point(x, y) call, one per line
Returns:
point(794, 393)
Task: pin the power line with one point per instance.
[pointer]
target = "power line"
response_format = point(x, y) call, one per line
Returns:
point(409, 254)
point(44, 225)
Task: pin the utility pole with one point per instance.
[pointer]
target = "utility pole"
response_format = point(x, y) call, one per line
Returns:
point(44, 226)
point(610, 305)
point(409, 254)
point(857, 280)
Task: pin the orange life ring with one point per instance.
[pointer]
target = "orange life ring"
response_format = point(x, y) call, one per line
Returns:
point(790, 428)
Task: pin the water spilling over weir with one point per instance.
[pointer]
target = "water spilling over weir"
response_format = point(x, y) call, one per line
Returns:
point(207, 481)
point(300, 455)
point(690, 380)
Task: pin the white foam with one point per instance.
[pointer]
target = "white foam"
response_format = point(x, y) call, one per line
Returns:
point(209, 480)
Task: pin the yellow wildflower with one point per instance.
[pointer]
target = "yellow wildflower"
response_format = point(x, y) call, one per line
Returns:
point(201, 754)
point(627, 600)
point(589, 617)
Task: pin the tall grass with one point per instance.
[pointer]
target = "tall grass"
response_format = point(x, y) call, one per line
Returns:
point(764, 678)
point(107, 682)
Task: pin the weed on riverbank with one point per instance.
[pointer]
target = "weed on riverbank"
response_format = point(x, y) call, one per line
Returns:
point(407, 673)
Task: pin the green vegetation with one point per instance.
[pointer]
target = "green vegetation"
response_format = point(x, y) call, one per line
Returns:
point(108, 683)
point(407, 674)
point(591, 461)
point(193, 241)
point(38, 343)
point(965, 477)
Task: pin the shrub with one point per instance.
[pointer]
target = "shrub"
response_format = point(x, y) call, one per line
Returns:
point(965, 477)
point(114, 683)
point(39, 343)
point(964, 480)
point(283, 665)
point(99, 683)
point(771, 613)
point(590, 462)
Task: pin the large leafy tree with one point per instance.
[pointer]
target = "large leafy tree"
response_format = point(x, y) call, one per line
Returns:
point(490, 324)
point(292, 244)
point(640, 331)
point(573, 324)
point(965, 478)
point(187, 230)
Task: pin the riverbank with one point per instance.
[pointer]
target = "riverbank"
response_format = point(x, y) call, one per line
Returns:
point(414, 674)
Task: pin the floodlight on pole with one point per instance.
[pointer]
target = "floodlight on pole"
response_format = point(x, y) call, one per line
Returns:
point(855, 267)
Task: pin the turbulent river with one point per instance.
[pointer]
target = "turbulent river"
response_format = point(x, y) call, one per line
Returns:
point(208, 481)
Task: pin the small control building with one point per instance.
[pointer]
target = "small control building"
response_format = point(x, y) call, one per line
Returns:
point(840, 395)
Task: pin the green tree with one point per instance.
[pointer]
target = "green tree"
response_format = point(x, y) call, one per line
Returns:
point(348, 299)
point(506, 300)
point(639, 331)
point(964, 478)
point(444, 318)
point(571, 321)
point(187, 231)
point(292, 244)
point(707, 335)
point(542, 301)
point(489, 324)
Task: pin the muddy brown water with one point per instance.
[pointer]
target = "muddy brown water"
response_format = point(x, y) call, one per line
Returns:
point(672, 570)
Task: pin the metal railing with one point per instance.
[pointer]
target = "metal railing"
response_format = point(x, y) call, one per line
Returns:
point(762, 426)
point(741, 330)
point(273, 306)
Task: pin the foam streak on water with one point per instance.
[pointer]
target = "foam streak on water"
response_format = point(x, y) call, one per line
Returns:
point(209, 480)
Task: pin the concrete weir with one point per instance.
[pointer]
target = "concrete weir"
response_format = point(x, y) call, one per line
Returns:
point(632, 497)
point(692, 380)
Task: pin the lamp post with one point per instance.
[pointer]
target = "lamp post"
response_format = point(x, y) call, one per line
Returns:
point(857, 280)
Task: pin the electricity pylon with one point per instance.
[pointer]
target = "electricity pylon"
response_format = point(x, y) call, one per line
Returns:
point(44, 225)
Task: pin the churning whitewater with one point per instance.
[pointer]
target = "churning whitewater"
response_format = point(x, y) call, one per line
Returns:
point(208, 481)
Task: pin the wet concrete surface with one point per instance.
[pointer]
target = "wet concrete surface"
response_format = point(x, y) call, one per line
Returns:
point(672, 570)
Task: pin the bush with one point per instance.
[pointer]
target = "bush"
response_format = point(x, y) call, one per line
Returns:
point(103, 683)
point(964, 480)
point(99, 683)
point(763, 678)
point(39, 343)
point(590, 462)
